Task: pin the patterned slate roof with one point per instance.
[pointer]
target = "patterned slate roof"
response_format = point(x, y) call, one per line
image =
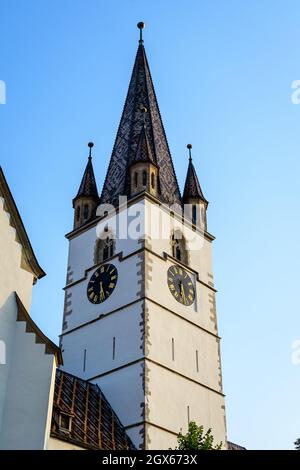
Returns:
point(88, 186)
point(94, 424)
point(192, 188)
point(140, 95)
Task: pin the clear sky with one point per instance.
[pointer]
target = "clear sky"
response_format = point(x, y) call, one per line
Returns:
point(222, 72)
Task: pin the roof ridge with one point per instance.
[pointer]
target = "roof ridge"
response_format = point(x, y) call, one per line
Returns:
point(17, 222)
point(50, 347)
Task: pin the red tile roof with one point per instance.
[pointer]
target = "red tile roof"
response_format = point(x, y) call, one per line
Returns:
point(93, 423)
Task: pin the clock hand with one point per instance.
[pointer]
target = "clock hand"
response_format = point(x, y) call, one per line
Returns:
point(182, 292)
point(101, 291)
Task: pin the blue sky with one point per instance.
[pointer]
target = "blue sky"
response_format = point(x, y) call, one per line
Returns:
point(222, 72)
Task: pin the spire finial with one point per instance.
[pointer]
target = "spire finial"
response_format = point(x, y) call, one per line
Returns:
point(189, 146)
point(91, 145)
point(141, 26)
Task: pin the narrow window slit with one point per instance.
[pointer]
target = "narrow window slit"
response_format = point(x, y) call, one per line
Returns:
point(114, 348)
point(84, 360)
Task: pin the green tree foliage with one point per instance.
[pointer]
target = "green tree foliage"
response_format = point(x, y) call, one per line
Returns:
point(196, 439)
point(297, 444)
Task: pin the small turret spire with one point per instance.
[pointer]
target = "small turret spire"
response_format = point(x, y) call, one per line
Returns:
point(192, 188)
point(141, 26)
point(88, 186)
point(87, 199)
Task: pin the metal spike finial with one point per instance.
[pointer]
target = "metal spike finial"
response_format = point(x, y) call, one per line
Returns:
point(90, 145)
point(189, 146)
point(141, 26)
point(144, 111)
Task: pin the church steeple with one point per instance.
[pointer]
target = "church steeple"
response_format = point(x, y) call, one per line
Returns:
point(134, 279)
point(140, 95)
point(87, 199)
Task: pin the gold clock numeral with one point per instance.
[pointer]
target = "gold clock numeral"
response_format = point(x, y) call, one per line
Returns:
point(90, 289)
point(111, 285)
point(113, 270)
point(91, 296)
point(113, 277)
point(102, 269)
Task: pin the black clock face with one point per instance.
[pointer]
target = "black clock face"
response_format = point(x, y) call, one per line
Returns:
point(102, 283)
point(181, 285)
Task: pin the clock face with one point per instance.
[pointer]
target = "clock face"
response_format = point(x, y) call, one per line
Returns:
point(102, 283)
point(181, 285)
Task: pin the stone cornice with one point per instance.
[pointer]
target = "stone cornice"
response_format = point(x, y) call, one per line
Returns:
point(138, 197)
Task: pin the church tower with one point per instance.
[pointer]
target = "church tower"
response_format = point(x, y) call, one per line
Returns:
point(140, 312)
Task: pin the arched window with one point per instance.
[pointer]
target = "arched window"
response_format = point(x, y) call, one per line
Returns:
point(86, 212)
point(135, 179)
point(177, 253)
point(179, 250)
point(108, 248)
point(78, 213)
point(105, 249)
point(144, 178)
point(152, 180)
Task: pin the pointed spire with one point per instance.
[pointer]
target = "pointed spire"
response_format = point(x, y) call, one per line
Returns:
point(129, 135)
point(192, 188)
point(88, 186)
